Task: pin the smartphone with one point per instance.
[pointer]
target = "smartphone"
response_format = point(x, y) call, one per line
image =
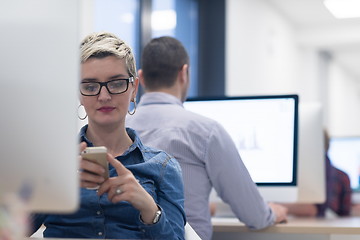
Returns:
point(98, 155)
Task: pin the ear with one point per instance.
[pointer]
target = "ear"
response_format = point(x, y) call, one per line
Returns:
point(184, 74)
point(136, 86)
point(141, 78)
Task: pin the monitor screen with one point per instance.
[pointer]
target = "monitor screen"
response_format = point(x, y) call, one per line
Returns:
point(344, 153)
point(39, 95)
point(264, 130)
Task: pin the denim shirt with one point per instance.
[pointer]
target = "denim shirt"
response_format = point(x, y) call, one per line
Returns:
point(157, 172)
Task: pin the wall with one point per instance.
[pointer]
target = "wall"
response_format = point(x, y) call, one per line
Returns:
point(261, 55)
point(266, 55)
point(343, 100)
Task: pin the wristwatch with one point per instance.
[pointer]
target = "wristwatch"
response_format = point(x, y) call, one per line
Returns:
point(157, 216)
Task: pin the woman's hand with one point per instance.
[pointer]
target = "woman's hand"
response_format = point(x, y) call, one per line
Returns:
point(125, 187)
point(90, 172)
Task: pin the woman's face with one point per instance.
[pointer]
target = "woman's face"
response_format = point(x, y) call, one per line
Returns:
point(106, 108)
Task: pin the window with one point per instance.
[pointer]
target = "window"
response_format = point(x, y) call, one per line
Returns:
point(182, 23)
point(120, 17)
point(198, 24)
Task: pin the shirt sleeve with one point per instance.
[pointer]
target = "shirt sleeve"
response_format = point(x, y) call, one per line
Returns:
point(233, 183)
point(170, 199)
point(344, 192)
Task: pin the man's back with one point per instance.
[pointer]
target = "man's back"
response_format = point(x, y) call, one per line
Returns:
point(208, 158)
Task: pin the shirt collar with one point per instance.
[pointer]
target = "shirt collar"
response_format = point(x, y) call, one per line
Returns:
point(159, 98)
point(131, 132)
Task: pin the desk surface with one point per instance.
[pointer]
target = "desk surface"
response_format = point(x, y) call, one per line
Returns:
point(346, 225)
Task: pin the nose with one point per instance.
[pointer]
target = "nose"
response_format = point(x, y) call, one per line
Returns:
point(104, 94)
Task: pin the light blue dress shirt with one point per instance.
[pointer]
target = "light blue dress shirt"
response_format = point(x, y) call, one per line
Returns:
point(157, 172)
point(208, 158)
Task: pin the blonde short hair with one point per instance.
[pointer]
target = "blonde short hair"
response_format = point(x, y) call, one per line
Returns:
point(104, 44)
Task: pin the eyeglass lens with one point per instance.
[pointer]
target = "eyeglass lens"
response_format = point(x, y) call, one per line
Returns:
point(114, 87)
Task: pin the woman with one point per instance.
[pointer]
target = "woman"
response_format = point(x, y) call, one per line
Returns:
point(143, 198)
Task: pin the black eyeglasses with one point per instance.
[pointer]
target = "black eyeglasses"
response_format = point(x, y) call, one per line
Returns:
point(116, 86)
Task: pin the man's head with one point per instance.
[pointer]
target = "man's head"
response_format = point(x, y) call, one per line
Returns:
point(164, 61)
point(104, 44)
point(326, 141)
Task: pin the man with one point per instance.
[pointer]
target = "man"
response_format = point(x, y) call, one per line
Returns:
point(338, 192)
point(205, 151)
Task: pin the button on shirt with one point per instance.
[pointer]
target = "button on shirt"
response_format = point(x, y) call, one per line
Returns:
point(157, 172)
point(208, 158)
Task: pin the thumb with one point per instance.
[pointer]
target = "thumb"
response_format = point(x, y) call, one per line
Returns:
point(82, 146)
point(120, 168)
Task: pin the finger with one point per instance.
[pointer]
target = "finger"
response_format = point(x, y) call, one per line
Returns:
point(90, 166)
point(111, 184)
point(106, 186)
point(82, 146)
point(120, 168)
point(124, 175)
point(91, 178)
point(113, 196)
point(117, 198)
point(89, 185)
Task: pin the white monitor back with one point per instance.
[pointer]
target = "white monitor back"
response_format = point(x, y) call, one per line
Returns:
point(311, 155)
point(39, 76)
point(283, 194)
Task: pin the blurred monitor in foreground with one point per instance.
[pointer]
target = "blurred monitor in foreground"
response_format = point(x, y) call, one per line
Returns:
point(39, 79)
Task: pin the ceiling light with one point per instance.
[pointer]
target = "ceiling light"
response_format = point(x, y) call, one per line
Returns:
point(343, 8)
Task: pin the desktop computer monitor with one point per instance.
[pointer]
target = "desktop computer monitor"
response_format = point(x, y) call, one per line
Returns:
point(264, 130)
point(311, 154)
point(344, 154)
point(39, 78)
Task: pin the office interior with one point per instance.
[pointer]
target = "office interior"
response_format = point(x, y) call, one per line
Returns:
point(243, 47)
point(263, 47)
point(254, 47)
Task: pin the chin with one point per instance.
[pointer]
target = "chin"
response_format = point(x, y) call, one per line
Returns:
point(106, 122)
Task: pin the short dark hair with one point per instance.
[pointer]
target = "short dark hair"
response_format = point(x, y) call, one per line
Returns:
point(161, 60)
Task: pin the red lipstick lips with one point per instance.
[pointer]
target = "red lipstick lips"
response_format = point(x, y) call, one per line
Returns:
point(106, 109)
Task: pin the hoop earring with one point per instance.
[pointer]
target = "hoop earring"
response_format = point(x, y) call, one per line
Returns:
point(81, 118)
point(134, 109)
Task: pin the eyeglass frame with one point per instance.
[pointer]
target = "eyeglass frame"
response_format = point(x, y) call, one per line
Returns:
point(105, 84)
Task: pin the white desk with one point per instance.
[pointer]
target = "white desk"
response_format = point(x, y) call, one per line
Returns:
point(190, 233)
point(295, 229)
